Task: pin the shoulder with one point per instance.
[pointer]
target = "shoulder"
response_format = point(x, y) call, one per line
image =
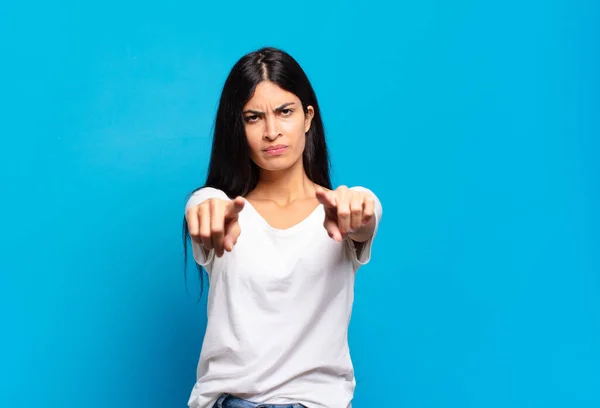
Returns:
point(203, 194)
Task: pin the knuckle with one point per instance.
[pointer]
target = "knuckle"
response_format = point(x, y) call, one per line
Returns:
point(356, 210)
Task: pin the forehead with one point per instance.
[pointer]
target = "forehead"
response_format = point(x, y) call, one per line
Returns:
point(267, 93)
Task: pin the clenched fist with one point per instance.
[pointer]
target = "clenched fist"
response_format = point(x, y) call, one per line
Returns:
point(214, 223)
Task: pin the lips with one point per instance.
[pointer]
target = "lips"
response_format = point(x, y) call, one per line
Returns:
point(275, 147)
point(275, 150)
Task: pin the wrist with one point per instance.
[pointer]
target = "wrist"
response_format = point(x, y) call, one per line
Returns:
point(364, 233)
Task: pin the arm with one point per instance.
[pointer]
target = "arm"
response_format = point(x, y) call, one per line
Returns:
point(202, 256)
point(352, 215)
point(361, 241)
point(368, 230)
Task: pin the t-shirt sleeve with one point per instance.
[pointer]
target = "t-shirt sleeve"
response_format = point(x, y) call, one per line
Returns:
point(201, 256)
point(362, 255)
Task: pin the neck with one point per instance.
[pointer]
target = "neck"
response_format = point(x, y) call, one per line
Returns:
point(285, 186)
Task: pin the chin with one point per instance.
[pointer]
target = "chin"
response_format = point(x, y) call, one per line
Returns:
point(275, 167)
point(276, 164)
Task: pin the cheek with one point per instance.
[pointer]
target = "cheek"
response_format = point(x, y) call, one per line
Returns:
point(295, 131)
point(254, 137)
point(301, 142)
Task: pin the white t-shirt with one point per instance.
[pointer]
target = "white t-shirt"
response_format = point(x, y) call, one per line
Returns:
point(279, 306)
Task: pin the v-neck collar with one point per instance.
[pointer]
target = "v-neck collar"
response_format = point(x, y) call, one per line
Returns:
point(290, 230)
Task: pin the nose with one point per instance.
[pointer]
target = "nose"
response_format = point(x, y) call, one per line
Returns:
point(272, 131)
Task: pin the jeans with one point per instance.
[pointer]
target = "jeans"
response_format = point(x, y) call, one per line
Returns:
point(229, 401)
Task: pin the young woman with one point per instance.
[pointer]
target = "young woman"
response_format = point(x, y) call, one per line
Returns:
point(280, 247)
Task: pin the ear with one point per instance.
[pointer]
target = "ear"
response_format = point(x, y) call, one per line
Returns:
point(310, 113)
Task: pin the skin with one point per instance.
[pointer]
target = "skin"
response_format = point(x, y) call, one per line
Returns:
point(284, 195)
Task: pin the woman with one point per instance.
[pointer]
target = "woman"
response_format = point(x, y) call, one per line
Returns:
point(280, 247)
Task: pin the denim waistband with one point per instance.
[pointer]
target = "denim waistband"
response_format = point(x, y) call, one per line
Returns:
point(229, 401)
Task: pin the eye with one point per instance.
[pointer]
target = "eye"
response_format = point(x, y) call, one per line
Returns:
point(251, 119)
point(286, 112)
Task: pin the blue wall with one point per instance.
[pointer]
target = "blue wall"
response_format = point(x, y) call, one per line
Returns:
point(477, 125)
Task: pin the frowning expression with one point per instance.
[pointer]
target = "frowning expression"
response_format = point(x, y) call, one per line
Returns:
point(276, 124)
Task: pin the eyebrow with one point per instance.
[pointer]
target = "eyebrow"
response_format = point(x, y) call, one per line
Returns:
point(279, 108)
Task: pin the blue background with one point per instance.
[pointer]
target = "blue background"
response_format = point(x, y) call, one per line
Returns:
point(476, 124)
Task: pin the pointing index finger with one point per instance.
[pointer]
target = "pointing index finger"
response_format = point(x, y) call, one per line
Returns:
point(325, 197)
point(234, 207)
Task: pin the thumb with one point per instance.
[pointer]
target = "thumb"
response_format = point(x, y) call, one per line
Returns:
point(333, 230)
point(231, 236)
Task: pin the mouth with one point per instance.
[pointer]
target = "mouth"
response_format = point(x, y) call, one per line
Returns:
point(275, 150)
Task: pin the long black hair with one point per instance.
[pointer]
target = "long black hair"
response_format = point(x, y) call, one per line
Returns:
point(230, 168)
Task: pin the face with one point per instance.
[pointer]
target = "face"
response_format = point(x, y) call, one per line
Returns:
point(276, 125)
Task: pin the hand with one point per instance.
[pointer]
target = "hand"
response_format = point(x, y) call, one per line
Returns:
point(214, 224)
point(346, 211)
